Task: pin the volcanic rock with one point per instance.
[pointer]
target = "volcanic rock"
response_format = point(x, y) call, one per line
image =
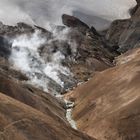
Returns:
point(5, 47)
point(21, 28)
point(84, 52)
point(125, 33)
point(71, 21)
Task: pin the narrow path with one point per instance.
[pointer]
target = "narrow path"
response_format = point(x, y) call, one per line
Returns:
point(68, 105)
point(69, 108)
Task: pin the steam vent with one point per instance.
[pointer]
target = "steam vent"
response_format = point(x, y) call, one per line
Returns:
point(69, 69)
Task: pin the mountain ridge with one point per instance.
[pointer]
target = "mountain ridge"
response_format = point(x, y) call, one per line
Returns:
point(94, 75)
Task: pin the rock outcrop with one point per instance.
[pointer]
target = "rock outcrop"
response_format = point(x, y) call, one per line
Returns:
point(5, 47)
point(125, 33)
point(74, 22)
point(93, 52)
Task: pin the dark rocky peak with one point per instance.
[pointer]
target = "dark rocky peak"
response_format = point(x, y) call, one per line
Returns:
point(81, 31)
point(73, 22)
point(114, 32)
point(21, 28)
point(125, 33)
point(135, 12)
point(94, 31)
point(5, 47)
point(24, 26)
point(134, 9)
point(138, 2)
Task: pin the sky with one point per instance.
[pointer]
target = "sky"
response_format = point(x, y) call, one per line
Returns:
point(43, 12)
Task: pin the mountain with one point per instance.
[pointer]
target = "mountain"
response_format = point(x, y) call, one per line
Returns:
point(125, 33)
point(27, 112)
point(107, 106)
point(72, 82)
point(73, 53)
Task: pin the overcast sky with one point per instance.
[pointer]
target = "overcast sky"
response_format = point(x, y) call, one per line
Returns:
point(43, 11)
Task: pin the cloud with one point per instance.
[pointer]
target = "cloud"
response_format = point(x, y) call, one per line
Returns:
point(43, 11)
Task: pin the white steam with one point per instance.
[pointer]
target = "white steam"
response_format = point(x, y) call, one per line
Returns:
point(43, 11)
point(26, 58)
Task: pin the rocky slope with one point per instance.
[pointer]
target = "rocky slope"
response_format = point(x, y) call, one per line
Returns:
point(107, 106)
point(74, 52)
point(125, 33)
point(93, 54)
point(20, 121)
